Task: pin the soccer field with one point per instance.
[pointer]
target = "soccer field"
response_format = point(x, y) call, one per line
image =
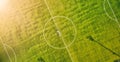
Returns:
point(60, 31)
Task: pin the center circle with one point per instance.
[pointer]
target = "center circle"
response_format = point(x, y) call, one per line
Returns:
point(53, 36)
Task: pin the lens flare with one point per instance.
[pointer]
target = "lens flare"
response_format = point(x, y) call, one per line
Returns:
point(3, 4)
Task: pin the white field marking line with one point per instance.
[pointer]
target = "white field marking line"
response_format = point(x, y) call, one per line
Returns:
point(61, 35)
point(106, 11)
point(4, 46)
point(67, 48)
point(13, 52)
point(58, 30)
point(5, 50)
point(116, 19)
point(50, 14)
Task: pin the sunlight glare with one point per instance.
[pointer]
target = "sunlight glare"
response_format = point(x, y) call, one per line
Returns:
point(3, 4)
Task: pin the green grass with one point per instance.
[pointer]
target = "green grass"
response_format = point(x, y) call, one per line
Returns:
point(25, 34)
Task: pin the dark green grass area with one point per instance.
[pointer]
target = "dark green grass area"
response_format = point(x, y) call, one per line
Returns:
point(98, 36)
